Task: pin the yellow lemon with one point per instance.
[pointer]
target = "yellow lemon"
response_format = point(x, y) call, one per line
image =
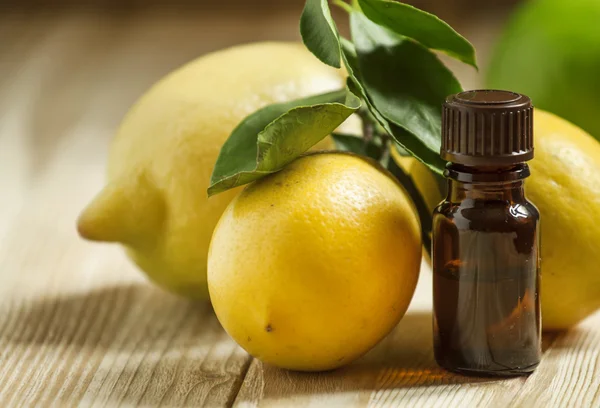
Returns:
point(160, 162)
point(565, 186)
point(429, 185)
point(311, 267)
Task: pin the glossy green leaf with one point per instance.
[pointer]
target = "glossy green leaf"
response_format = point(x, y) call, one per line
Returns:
point(354, 82)
point(319, 32)
point(273, 136)
point(358, 145)
point(406, 84)
point(344, 6)
point(421, 26)
point(411, 143)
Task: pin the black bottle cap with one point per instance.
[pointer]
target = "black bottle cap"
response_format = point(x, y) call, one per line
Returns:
point(487, 128)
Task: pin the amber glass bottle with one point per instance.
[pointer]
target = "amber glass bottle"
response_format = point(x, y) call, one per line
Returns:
point(486, 239)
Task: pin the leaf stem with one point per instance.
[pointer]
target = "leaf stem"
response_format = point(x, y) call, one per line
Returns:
point(369, 125)
point(342, 4)
point(422, 210)
point(385, 142)
point(368, 130)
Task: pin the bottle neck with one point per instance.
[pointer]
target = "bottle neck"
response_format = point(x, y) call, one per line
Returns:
point(486, 183)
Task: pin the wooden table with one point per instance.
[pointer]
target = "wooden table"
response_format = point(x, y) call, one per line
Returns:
point(79, 325)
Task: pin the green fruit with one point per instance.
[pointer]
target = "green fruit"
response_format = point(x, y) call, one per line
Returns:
point(550, 51)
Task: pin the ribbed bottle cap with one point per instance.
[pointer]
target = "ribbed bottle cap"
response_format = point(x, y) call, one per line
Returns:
point(487, 128)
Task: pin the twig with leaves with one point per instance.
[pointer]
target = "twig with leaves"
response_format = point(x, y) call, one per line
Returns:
point(394, 75)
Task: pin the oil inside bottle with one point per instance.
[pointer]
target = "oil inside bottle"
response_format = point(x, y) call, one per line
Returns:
point(487, 313)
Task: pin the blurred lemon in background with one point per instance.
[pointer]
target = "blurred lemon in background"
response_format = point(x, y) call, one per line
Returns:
point(550, 51)
point(155, 202)
point(429, 184)
point(311, 267)
point(565, 186)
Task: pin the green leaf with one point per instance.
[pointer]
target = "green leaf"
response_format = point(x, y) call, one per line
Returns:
point(408, 141)
point(412, 144)
point(354, 82)
point(421, 26)
point(401, 150)
point(275, 135)
point(319, 32)
point(406, 84)
point(343, 5)
point(358, 145)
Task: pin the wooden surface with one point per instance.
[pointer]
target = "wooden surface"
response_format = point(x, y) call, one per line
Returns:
point(79, 325)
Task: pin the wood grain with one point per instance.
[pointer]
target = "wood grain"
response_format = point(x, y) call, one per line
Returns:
point(401, 372)
point(80, 326)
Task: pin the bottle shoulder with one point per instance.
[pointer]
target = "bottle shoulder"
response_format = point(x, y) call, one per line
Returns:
point(487, 214)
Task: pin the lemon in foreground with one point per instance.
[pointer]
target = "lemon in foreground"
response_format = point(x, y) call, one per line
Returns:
point(311, 267)
point(160, 162)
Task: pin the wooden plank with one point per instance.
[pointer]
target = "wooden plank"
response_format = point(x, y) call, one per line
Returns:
point(400, 371)
point(569, 375)
point(79, 325)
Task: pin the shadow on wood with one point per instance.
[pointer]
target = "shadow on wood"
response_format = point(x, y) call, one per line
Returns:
point(403, 359)
point(98, 318)
point(121, 344)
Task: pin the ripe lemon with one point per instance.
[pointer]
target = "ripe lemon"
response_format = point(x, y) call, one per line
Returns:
point(160, 162)
point(565, 186)
point(311, 267)
point(427, 183)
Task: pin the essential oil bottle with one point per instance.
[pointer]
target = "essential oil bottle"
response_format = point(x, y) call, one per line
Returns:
point(486, 258)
